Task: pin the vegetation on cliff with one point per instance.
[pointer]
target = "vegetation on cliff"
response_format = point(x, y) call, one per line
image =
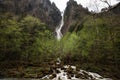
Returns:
point(29, 48)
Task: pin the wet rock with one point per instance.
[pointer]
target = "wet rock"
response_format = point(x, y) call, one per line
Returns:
point(40, 75)
point(79, 76)
point(54, 67)
point(86, 75)
point(90, 76)
point(47, 71)
point(57, 71)
point(72, 75)
point(52, 76)
point(58, 65)
point(69, 73)
point(69, 70)
point(63, 68)
point(69, 76)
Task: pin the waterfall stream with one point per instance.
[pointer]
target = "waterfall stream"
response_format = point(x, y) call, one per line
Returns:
point(58, 29)
point(69, 72)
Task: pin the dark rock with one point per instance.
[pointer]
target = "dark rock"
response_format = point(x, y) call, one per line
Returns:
point(70, 70)
point(62, 68)
point(73, 14)
point(57, 71)
point(69, 76)
point(53, 76)
point(79, 75)
point(116, 9)
point(46, 11)
point(47, 71)
point(40, 75)
point(113, 9)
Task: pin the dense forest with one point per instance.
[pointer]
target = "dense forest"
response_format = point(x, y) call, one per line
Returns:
point(29, 48)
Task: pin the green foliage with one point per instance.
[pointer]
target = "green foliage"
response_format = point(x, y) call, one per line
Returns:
point(69, 42)
point(37, 40)
point(89, 34)
point(30, 40)
point(10, 38)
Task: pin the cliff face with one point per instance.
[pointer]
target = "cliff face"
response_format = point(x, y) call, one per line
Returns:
point(115, 9)
point(42, 9)
point(73, 16)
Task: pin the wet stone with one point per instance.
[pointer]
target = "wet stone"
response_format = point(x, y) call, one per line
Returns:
point(52, 76)
point(57, 71)
point(69, 76)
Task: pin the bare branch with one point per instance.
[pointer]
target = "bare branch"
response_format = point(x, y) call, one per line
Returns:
point(105, 1)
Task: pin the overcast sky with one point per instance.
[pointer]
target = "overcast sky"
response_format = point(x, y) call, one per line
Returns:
point(91, 4)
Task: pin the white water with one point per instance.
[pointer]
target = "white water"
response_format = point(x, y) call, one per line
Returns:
point(63, 75)
point(58, 29)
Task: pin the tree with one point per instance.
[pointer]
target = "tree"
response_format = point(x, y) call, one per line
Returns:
point(10, 38)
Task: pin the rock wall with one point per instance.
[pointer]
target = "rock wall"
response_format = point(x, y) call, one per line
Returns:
point(42, 9)
point(73, 16)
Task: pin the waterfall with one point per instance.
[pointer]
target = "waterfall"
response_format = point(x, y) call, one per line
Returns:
point(58, 29)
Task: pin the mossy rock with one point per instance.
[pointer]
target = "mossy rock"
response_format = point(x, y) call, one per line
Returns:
point(47, 71)
point(31, 76)
point(40, 75)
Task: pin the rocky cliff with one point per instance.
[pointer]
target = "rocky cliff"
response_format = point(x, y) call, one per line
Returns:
point(113, 9)
point(42, 9)
point(116, 9)
point(74, 16)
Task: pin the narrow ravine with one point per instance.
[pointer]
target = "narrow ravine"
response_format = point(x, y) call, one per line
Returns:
point(58, 29)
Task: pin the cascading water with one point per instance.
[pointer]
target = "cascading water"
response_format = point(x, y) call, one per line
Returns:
point(58, 29)
point(69, 72)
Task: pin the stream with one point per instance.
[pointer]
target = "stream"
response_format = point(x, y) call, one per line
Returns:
point(74, 75)
point(58, 29)
point(65, 72)
point(69, 72)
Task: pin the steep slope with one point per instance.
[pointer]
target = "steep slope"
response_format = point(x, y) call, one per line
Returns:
point(74, 15)
point(113, 9)
point(116, 9)
point(98, 38)
point(42, 9)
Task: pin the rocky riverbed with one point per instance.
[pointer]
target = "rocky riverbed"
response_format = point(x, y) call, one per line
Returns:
point(69, 72)
point(53, 70)
point(72, 73)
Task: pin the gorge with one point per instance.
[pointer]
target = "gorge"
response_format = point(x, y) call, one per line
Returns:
point(58, 29)
point(38, 41)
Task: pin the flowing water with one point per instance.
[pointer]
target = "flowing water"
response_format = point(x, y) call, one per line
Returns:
point(68, 72)
point(58, 29)
point(79, 75)
point(63, 73)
